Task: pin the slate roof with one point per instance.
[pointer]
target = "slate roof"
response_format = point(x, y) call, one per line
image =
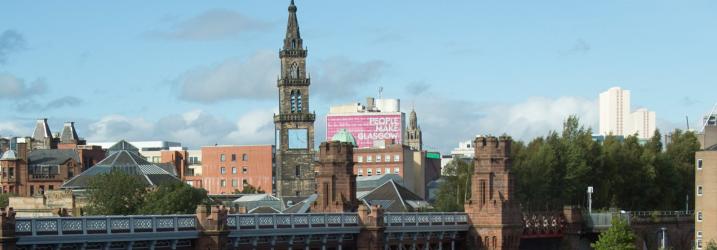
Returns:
point(124, 158)
point(264, 210)
point(51, 157)
point(42, 130)
point(368, 183)
point(169, 167)
point(9, 155)
point(301, 207)
point(68, 133)
point(394, 198)
point(253, 201)
point(711, 148)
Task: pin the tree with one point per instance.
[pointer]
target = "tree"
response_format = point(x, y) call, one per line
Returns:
point(173, 198)
point(711, 246)
point(249, 189)
point(115, 193)
point(618, 237)
point(5, 199)
point(455, 189)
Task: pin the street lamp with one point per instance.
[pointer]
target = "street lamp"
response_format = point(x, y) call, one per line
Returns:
point(590, 199)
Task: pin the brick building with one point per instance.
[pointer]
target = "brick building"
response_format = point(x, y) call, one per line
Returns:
point(32, 165)
point(387, 157)
point(226, 169)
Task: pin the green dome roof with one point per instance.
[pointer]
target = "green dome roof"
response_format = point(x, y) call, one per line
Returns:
point(344, 136)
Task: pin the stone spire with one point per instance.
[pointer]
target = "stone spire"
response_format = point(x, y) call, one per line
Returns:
point(293, 37)
point(69, 135)
point(414, 136)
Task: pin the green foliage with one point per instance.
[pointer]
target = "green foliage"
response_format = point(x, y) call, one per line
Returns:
point(176, 198)
point(556, 170)
point(711, 246)
point(453, 193)
point(618, 237)
point(249, 189)
point(117, 193)
point(5, 199)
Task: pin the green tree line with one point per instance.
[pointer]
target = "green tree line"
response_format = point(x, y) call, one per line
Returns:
point(555, 170)
point(117, 193)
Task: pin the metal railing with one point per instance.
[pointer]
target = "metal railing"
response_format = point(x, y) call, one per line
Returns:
point(277, 221)
point(97, 225)
point(662, 213)
point(425, 219)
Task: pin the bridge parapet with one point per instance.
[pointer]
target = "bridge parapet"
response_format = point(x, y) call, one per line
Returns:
point(543, 225)
point(425, 222)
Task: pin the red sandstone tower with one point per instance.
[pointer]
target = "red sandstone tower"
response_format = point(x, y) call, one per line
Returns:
point(336, 183)
point(495, 218)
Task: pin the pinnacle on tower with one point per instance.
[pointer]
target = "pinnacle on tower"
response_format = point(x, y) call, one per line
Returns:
point(293, 36)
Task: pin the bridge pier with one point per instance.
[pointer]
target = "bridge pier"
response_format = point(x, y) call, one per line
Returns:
point(7, 230)
point(212, 224)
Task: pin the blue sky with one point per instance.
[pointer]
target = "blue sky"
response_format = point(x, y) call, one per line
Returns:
point(204, 72)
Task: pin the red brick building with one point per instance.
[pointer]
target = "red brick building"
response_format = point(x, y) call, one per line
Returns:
point(226, 169)
point(45, 161)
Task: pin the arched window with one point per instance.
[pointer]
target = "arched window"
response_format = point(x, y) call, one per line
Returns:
point(293, 44)
point(294, 71)
point(495, 242)
point(293, 102)
point(244, 157)
point(299, 104)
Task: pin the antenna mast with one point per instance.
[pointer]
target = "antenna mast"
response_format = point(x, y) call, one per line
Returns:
point(709, 116)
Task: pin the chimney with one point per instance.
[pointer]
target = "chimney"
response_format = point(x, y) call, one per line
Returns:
point(370, 103)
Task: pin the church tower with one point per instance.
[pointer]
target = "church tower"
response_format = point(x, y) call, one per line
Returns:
point(295, 123)
point(414, 137)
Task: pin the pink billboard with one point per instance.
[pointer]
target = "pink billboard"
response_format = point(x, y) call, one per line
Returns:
point(367, 128)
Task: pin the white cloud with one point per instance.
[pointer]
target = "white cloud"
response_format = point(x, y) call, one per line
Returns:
point(16, 88)
point(213, 25)
point(341, 77)
point(193, 128)
point(12, 129)
point(445, 121)
point(254, 78)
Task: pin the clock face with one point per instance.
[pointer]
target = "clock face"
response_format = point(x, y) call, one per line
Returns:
point(298, 138)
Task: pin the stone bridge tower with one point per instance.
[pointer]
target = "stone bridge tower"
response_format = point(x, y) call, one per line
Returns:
point(336, 183)
point(494, 216)
point(295, 123)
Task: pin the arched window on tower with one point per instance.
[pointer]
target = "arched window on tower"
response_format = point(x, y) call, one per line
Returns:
point(293, 101)
point(293, 44)
point(294, 71)
point(299, 103)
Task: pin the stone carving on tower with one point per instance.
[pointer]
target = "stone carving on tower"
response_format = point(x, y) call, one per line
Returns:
point(494, 216)
point(295, 123)
point(414, 137)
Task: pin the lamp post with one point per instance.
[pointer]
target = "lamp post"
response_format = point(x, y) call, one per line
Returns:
point(663, 242)
point(590, 199)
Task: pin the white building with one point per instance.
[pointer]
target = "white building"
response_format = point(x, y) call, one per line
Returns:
point(143, 145)
point(614, 111)
point(616, 118)
point(465, 149)
point(642, 123)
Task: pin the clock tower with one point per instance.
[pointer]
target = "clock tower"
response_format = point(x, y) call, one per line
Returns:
point(295, 123)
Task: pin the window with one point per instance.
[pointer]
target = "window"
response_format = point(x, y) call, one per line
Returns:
point(297, 171)
point(11, 173)
point(369, 158)
point(244, 157)
point(699, 243)
point(223, 183)
point(368, 171)
point(387, 170)
point(378, 171)
point(234, 170)
point(699, 216)
point(155, 159)
point(699, 164)
point(293, 44)
point(293, 102)
point(359, 158)
point(360, 172)
point(396, 170)
point(244, 170)
point(699, 234)
point(378, 158)
point(234, 157)
point(699, 190)
point(388, 158)
point(223, 170)
point(396, 158)
point(222, 158)
point(235, 183)
point(51, 187)
point(245, 183)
